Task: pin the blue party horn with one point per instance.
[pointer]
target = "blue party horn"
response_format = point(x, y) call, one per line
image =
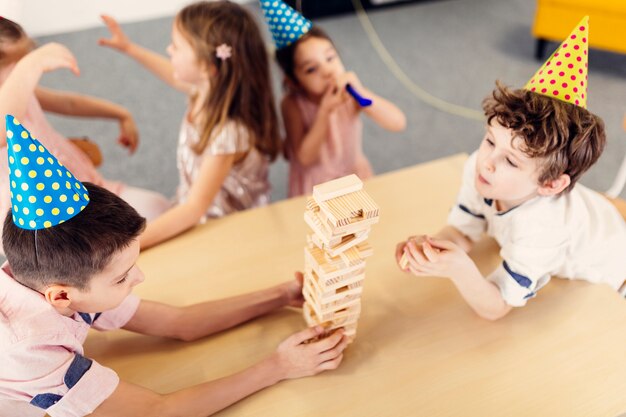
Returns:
point(363, 102)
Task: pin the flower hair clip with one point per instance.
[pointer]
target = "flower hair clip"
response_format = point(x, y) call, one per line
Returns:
point(223, 52)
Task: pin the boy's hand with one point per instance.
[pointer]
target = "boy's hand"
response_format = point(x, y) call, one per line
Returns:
point(52, 56)
point(118, 39)
point(129, 137)
point(400, 249)
point(293, 290)
point(435, 257)
point(295, 359)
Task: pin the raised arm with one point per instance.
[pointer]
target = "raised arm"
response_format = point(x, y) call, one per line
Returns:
point(307, 144)
point(72, 104)
point(153, 62)
point(19, 86)
point(184, 216)
point(386, 114)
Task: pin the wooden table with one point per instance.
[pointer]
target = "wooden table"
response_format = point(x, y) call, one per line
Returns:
point(420, 350)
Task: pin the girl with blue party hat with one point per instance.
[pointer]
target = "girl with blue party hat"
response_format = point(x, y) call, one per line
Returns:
point(322, 107)
point(229, 134)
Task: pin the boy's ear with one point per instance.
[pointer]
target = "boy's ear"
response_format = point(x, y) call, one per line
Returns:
point(555, 186)
point(58, 296)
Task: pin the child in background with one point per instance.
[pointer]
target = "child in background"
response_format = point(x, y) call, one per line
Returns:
point(21, 67)
point(72, 253)
point(322, 123)
point(521, 188)
point(229, 135)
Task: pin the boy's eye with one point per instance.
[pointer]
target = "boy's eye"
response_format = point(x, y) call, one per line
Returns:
point(511, 163)
point(121, 281)
point(489, 141)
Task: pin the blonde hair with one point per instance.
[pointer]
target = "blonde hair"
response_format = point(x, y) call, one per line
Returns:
point(241, 88)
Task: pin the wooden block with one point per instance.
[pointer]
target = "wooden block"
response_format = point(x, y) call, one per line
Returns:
point(336, 188)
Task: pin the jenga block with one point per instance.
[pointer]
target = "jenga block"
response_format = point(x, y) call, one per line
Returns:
point(336, 188)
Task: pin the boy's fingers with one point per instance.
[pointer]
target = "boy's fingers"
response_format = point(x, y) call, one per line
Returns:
point(441, 244)
point(332, 364)
point(430, 252)
point(329, 342)
point(331, 354)
point(307, 334)
point(416, 254)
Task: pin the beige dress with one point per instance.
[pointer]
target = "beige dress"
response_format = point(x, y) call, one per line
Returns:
point(246, 185)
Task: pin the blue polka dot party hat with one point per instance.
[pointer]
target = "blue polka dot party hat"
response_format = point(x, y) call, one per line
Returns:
point(286, 24)
point(43, 192)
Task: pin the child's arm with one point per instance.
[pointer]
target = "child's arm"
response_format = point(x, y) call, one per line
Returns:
point(386, 114)
point(184, 216)
point(441, 258)
point(71, 104)
point(307, 145)
point(153, 62)
point(17, 89)
point(203, 319)
point(293, 359)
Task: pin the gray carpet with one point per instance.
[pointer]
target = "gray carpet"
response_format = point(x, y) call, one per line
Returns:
point(455, 49)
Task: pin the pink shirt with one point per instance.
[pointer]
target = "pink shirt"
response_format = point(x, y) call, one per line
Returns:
point(341, 153)
point(43, 368)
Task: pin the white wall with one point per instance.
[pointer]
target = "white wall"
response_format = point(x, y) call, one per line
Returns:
point(45, 17)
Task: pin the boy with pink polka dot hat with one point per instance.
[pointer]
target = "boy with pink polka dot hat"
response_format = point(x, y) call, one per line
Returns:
point(520, 187)
point(71, 253)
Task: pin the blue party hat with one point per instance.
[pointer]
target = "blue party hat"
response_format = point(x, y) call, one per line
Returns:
point(43, 192)
point(286, 24)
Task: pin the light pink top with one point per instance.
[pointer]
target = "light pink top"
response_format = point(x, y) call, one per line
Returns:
point(247, 183)
point(72, 157)
point(341, 154)
point(42, 354)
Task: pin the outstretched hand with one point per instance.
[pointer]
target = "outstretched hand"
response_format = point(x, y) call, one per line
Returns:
point(53, 56)
point(295, 358)
point(118, 39)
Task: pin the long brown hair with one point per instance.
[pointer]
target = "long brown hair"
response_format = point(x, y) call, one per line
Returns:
point(569, 139)
point(241, 88)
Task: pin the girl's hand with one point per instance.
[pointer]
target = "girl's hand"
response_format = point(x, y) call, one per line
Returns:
point(118, 39)
point(349, 78)
point(332, 98)
point(129, 136)
point(293, 290)
point(52, 56)
point(295, 358)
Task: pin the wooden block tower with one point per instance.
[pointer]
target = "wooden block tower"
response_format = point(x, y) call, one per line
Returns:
point(340, 214)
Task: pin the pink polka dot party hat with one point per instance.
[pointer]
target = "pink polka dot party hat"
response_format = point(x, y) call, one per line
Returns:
point(564, 75)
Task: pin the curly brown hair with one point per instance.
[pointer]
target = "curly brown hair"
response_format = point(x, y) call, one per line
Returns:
point(568, 138)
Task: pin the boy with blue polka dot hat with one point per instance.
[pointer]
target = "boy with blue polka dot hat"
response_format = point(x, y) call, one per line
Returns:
point(71, 250)
point(43, 192)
